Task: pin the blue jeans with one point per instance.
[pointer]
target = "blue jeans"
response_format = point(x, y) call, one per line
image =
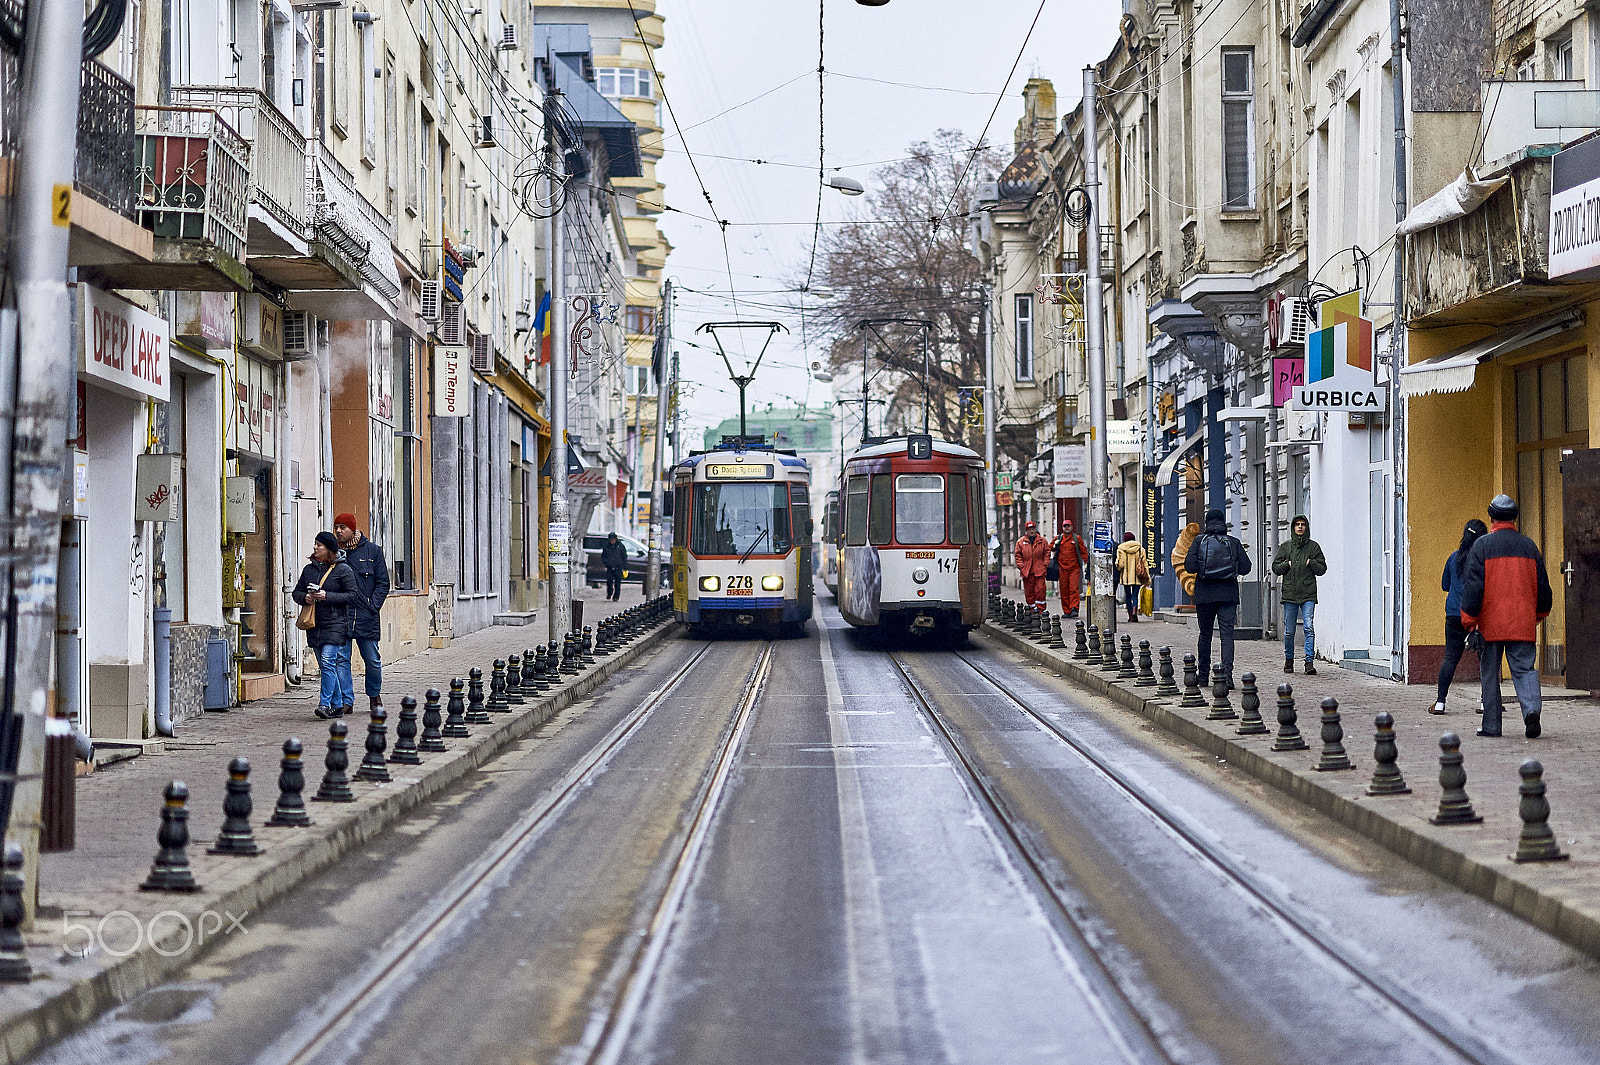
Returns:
point(374, 664)
point(333, 662)
point(1304, 612)
point(1519, 655)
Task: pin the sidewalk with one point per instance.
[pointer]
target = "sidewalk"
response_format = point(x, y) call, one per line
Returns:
point(1559, 897)
point(118, 811)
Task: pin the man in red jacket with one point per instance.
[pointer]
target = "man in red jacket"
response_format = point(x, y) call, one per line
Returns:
point(1072, 556)
point(1505, 593)
point(1033, 558)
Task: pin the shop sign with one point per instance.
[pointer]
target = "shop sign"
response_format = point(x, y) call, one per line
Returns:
point(590, 481)
point(1338, 367)
point(256, 388)
point(1002, 481)
point(1152, 526)
point(1575, 210)
point(451, 374)
point(1004, 497)
point(1167, 409)
point(157, 485)
point(121, 347)
point(1288, 373)
point(1071, 471)
point(1124, 437)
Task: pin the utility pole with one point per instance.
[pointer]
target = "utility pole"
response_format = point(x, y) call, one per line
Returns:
point(1397, 348)
point(1102, 606)
point(560, 538)
point(44, 382)
point(677, 423)
point(991, 508)
point(658, 488)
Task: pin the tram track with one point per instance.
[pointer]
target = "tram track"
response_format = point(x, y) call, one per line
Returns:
point(1441, 1027)
point(335, 1029)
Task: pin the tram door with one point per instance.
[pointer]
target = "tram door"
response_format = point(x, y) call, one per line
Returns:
point(800, 514)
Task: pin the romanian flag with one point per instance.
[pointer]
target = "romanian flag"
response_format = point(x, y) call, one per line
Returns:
point(541, 326)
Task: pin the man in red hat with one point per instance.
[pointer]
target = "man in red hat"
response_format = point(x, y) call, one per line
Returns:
point(1033, 558)
point(372, 588)
point(1072, 558)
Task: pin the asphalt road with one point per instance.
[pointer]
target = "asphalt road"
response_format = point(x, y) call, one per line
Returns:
point(791, 861)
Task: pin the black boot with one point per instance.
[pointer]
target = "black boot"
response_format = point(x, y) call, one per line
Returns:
point(1288, 665)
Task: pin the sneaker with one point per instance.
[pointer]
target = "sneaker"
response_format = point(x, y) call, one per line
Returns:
point(1531, 727)
point(1288, 665)
point(1311, 669)
point(1436, 708)
point(1491, 735)
point(325, 712)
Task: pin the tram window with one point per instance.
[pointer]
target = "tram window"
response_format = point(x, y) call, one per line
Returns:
point(919, 508)
point(735, 519)
point(881, 510)
point(979, 511)
point(830, 521)
point(680, 528)
point(960, 528)
point(856, 512)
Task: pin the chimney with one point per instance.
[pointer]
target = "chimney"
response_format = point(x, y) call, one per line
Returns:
point(1038, 123)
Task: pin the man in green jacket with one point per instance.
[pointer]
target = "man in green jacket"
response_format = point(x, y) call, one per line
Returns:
point(1299, 562)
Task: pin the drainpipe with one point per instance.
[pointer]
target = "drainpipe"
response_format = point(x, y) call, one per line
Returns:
point(161, 618)
point(1397, 348)
point(286, 530)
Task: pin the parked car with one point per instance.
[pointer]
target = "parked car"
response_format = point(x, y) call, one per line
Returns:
point(594, 574)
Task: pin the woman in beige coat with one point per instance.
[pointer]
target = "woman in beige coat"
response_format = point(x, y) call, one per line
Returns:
point(1133, 572)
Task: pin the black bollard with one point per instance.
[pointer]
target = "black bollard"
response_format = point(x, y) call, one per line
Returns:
point(1056, 642)
point(1167, 685)
point(14, 967)
point(1147, 675)
point(514, 680)
point(1080, 642)
point(477, 714)
point(1333, 753)
point(1094, 658)
point(405, 735)
point(291, 809)
point(536, 682)
point(1221, 707)
point(569, 657)
point(1191, 683)
point(373, 768)
point(1537, 843)
point(1110, 664)
point(585, 645)
point(335, 786)
point(432, 741)
point(1128, 670)
point(1043, 635)
point(1386, 776)
point(236, 837)
point(1250, 723)
point(170, 871)
point(1289, 738)
point(1454, 806)
point(497, 688)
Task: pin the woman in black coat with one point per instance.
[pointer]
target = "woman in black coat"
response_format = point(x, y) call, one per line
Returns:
point(335, 612)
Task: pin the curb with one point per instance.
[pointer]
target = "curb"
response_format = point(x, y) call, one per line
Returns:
point(1571, 921)
point(292, 855)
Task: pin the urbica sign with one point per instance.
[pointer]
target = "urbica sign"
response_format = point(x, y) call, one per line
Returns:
point(1338, 368)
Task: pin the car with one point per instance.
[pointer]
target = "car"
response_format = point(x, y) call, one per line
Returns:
point(594, 574)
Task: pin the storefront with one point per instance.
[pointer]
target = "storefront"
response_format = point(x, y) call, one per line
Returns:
point(250, 563)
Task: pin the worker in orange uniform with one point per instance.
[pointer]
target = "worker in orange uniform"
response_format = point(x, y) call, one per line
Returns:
point(1072, 555)
point(1033, 558)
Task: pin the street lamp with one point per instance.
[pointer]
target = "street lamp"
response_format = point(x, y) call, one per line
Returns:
point(847, 185)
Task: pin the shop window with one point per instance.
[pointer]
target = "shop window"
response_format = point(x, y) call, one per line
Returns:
point(402, 550)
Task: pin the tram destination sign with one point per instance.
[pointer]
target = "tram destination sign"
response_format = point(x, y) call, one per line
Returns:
point(741, 471)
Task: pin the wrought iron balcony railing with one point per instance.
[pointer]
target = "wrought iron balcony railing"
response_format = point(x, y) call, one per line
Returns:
point(277, 149)
point(193, 174)
point(343, 218)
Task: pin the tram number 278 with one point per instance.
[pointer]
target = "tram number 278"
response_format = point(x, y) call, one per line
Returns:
point(741, 584)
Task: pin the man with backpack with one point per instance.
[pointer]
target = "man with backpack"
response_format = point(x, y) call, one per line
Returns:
point(1217, 561)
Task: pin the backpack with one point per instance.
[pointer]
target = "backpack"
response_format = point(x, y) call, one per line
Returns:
point(1216, 558)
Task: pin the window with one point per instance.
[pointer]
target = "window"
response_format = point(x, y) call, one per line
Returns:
point(1352, 171)
point(641, 320)
point(640, 381)
point(1238, 128)
point(1562, 66)
point(881, 510)
point(1024, 313)
point(369, 96)
point(919, 508)
point(391, 139)
point(402, 551)
point(624, 81)
point(855, 528)
point(960, 526)
point(738, 519)
point(413, 182)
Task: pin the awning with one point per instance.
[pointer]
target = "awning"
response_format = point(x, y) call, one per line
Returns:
point(1170, 463)
point(1455, 371)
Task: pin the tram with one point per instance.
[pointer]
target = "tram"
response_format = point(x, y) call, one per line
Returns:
point(911, 556)
point(741, 548)
point(830, 543)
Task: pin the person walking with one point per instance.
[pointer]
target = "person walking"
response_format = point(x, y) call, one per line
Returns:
point(1505, 593)
point(1217, 561)
point(1133, 570)
point(1072, 556)
point(613, 556)
point(1032, 556)
point(371, 570)
point(329, 586)
point(1299, 561)
point(1455, 635)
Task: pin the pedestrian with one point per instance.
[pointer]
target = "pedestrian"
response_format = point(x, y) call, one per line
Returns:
point(1071, 556)
point(613, 556)
point(1455, 635)
point(1133, 570)
point(329, 586)
point(1217, 561)
point(371, 570)
point(1299, 561)
point(1033, 558)
point(1505, 593)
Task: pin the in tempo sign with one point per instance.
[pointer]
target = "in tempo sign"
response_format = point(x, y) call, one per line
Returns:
point(452, 377)
point(1575, 212)
point(123, 348)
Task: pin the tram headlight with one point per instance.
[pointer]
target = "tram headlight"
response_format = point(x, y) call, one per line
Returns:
point(772, 582)
point(919, 575)
point(710, 584)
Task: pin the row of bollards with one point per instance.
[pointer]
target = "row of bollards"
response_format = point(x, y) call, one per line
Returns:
point(512, 681)
point(1536, 843)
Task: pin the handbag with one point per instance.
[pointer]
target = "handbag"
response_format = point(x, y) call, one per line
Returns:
point(1052, 569)
point(1142, 570)
point(307, 618)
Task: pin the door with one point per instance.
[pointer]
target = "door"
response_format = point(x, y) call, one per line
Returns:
point(1579, 577)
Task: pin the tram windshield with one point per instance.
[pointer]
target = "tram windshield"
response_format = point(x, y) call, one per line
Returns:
point(733, 519)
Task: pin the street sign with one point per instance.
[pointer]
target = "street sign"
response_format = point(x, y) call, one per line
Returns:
point(1071, 471)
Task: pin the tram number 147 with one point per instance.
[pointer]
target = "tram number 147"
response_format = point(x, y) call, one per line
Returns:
point(741, 584)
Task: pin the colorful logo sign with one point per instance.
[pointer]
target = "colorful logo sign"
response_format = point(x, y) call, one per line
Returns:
point(1338, 366)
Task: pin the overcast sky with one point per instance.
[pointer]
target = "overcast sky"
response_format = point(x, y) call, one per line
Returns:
point(741, 77)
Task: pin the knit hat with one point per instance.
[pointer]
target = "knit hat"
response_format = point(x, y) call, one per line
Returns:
point(328, 540)
point(347, 519)
point(1214, 515)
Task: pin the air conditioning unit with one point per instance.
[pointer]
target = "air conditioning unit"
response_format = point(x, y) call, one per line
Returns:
point(483, 353)
point(452, 325)
point(261, 326)
point(431, 299)
point(297, 326)
point(508, 38)
point(469, 256)
point(1295, 322)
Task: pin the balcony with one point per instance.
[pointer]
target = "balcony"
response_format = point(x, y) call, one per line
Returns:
point(341, 219)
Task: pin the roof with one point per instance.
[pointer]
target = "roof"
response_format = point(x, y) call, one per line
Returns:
point(568, 52)
point(897, 446)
